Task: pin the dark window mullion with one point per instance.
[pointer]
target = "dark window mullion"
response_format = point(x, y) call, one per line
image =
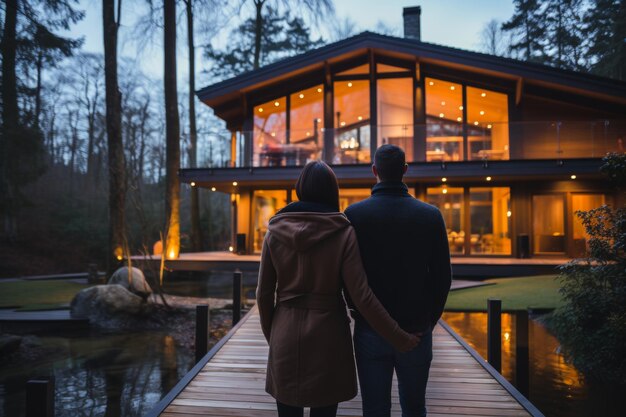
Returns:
point(465, 122)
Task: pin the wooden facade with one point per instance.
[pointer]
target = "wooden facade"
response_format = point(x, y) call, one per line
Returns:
point(508, 150)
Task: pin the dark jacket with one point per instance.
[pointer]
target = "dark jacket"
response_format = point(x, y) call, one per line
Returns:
point(404, 247)
point(310, 254)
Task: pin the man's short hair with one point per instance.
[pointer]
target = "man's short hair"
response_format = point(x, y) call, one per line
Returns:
point(390, 161)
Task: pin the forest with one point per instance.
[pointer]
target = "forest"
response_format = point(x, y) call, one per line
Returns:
point(90, 146)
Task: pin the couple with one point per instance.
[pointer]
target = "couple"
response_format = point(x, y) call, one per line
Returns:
point(388, 256)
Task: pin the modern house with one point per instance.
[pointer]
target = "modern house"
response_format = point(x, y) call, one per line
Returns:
point(507, 150)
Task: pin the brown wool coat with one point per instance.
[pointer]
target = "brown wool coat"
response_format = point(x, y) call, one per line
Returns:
point(307, 259)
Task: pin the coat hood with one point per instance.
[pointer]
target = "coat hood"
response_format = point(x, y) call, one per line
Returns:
point(302, 230)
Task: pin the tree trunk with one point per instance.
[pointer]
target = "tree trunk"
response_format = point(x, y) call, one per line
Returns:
point(10, 119)
point(196, 231)
point(258, 31)
point(117, 184)
point(172, 132)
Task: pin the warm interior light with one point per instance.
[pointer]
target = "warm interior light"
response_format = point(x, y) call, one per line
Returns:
point(308, 133)
point(360, 117)
point(301, 95)
point(482, 112)
point(488, 126)
point(319, 90)
point(441, 115)
point(230, 248)
point(573, 177)
point(445, 191)
point(213, 188)
point(452, 87)
point(431, 83)
point(234, 183)
point(443, 103)
point(488, 178)
point(171, 254)
point(460, 107)
point(507, 336)
point(119, 258)
point(273, 134)
point(319, 120)
point(193, 184)
point(444, 179)
point(276, 104)
point(458, 119)
point(483, 95)
point(343, 123)
point(260, 109)
point(508, 213)
point(476, 123)
point(349, 84)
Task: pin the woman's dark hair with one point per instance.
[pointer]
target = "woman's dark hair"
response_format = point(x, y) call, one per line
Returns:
point(318, 184)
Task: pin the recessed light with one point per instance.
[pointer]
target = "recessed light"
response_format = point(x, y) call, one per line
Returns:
point(431, 83)
point(213, 188)
point(573, 177)
point(360, 117)
point(234, 183)
point(443, 103)
point(260, 109)
point(444, 179)
point(452, 87)
point(343, 123)
point(319, 90)
point(488, 178)
point(482, 112)
point(508, 213)
point(458, 119)
point(276, 104)
point(483, 95)
point(308, 133)
point(193, 184)
point(488, 126)
point(476, 123)
point(460, 107)
point(349, 84)
point(301, 95)
point(445, 191)
point(441, 115)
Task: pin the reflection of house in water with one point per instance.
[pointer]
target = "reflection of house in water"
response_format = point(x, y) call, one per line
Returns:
point(508, 150)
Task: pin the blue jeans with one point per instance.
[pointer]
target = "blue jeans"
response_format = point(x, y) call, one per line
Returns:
point(376, 360)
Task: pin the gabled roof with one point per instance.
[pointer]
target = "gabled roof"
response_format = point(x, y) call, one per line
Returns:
point(423, 52)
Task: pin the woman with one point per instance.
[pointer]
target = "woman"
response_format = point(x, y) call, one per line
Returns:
point(310, 253)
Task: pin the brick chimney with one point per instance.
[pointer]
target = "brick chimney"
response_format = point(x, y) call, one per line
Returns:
point(412, 25)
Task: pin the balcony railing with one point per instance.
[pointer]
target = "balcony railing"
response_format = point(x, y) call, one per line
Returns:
point(437, 141)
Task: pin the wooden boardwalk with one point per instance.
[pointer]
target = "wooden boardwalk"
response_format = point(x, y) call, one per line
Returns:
point(230, 381)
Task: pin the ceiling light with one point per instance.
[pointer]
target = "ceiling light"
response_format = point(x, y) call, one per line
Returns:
point(488, 178)
point(308, 133)
point(276, 104)
point(234, 183)
point(343, 123)
point(488, 126)
point(213, 188)
point(483, 95)
point(260, 109)
point(445, 191)
point(452, 87)
point(319, 90)
point(476, 123)
point(193, 184)
point(482, 112)
point(460, 107)
point(458, 119)
point(441, 115)
point(360, 117)
point(508, 213)
point(319, 120)
point(431, 83)
point(349, 84)
point(444, 179)
point(573, 177)
point(443, 103)
point(301, 95)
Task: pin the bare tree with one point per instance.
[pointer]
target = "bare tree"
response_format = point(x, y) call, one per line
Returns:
point(117, 184)
point(492, 40)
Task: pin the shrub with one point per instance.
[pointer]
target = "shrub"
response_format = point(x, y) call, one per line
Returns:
point(592, 325)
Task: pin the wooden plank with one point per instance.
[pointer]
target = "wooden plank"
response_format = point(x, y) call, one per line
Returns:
point(232, 382)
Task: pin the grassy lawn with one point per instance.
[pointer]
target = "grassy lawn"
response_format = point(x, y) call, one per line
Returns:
point(37, 295)
point(515, 293)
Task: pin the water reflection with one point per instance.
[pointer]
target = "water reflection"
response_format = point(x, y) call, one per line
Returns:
point(99, 374)
point(556, 387)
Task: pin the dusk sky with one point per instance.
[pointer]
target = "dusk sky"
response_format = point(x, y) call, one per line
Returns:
point(456, 23)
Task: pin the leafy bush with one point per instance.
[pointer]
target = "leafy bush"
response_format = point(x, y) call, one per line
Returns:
point(592, 325)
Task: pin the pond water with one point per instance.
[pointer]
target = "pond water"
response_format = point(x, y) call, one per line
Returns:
point(555, 387)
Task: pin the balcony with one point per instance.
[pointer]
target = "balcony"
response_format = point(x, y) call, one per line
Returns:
point(435, 141)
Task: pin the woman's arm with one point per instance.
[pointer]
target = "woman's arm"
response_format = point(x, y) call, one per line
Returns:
point(266, 289)
point(367, 304)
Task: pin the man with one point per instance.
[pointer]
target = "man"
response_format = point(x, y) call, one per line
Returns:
point(404, 248)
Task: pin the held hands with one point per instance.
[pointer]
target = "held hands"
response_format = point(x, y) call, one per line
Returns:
point(413, 339)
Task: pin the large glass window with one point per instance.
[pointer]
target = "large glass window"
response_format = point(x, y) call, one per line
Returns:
point(450, 201)
point(270, 132)
point(306, 114)
point(352, 119)
point(395, 113)
point(488, 124)
point(265, 203)
point(583, 202)
point(549, 223)
point(348, 196)
point(490, 220)
point(444, 121)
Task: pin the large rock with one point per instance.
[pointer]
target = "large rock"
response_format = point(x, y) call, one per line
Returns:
point(108, 306)
point(136, 283)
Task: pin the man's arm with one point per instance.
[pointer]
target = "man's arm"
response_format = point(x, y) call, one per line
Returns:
point(440, 270)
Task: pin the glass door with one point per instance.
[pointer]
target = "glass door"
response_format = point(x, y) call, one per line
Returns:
point(549, 224)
